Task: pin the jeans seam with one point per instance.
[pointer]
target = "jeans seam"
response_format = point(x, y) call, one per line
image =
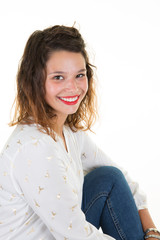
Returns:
point(115, 220)
point(102, 194)
point(112, 213)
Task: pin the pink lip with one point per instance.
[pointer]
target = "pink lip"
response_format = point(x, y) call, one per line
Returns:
point(69, 96)
point(70, 103)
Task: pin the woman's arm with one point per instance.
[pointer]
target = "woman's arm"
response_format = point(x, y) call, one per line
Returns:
point(93, 157)
point(147, 222)
point(146, 219)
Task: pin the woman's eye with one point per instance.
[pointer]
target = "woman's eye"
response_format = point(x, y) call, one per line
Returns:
point(80, 75)
point(58, 77)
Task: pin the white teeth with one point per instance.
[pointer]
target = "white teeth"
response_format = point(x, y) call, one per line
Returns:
point(69, 99)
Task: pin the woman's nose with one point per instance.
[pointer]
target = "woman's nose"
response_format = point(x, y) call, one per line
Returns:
point(72, 84)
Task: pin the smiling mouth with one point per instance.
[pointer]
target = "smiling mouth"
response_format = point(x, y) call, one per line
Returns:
point(69, 100)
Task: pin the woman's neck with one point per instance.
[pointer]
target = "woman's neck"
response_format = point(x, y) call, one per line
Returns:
point(58, 125)
point(59, 130)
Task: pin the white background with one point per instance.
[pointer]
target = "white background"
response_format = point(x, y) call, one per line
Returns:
point(123, 38)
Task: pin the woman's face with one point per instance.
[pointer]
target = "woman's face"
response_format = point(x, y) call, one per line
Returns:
point(66, 83)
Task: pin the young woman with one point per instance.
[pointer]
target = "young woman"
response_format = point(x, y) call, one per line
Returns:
point(54, 181)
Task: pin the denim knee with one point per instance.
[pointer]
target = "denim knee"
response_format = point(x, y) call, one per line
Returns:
point(103, 178)
point(108, 172)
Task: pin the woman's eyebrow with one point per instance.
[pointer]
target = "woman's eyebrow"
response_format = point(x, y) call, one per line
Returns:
point(83, 70)
point(57, 72)
point(62, 72)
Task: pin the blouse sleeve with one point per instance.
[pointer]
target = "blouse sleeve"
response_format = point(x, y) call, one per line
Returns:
point(92, 157)
point(40, 174)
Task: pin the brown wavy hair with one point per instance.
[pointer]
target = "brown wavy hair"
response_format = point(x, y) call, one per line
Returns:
point(31, 106)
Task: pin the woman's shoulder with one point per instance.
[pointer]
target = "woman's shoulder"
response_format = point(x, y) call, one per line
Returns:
point(22, 135)
point(27, 132)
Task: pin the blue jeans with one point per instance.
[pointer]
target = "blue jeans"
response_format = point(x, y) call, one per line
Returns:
point(108, 203)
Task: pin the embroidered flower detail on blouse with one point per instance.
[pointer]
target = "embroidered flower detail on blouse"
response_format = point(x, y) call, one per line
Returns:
point(33, 137)
point(71, 159)
point(37, 205)
point(40, 189)
point(12, 165)
point(29, 162)
point(73, 208)
point(7, 146)
point(47, 175)
point(53, 215)
point(65, 179)
point(12, 197)
point(14, 211)
point(59, 196)
point(28, 222)
point(19, 142)
point(75, 191)
point(79, 172)
point(86, 228)
point(31, 231)
point(26, 178)
point(49, 158)
point(70, 226)
point(36, 143)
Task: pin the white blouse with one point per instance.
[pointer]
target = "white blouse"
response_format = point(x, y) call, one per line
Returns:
point(41, 186)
